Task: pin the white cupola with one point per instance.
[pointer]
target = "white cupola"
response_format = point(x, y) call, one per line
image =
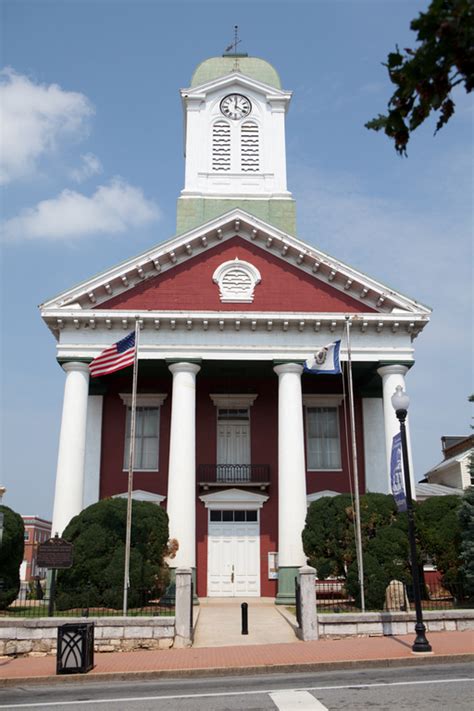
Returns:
point(234, 114)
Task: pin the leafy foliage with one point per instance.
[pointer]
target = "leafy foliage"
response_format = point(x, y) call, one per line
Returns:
point(328, 538)
point(329, 543)
point(11, 555)
point(466, 523)
point(385, 558)
point(98, 535)
point(439, 533)
point(425, 77)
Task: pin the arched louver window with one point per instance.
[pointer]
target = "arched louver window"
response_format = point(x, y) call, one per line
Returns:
point(221, 146)
point(249, 148)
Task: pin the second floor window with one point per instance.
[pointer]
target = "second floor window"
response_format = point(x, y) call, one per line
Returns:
point(146, 438)
point(323, 440)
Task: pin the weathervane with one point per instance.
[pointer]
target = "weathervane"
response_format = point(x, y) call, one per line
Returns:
point(236, 41)
point(233, 46)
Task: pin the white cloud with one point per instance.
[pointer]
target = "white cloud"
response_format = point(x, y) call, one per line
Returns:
point(112, 209)
point(90, 165)
point(35, 117)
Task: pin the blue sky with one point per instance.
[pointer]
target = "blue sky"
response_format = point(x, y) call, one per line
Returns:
point(94, 133)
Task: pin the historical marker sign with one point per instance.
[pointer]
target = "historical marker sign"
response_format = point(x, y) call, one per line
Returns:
point(55, 553)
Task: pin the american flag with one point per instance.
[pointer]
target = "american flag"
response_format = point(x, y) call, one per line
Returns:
point(116, 357)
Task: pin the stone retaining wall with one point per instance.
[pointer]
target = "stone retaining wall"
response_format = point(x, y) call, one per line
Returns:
point(111, 634)
point(392, 623)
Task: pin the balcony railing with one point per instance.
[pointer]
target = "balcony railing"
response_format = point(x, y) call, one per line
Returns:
point(221, 474)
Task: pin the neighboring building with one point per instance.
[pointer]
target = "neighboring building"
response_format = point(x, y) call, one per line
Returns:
point(233, 438)
point(37, 530)
point(454, 470)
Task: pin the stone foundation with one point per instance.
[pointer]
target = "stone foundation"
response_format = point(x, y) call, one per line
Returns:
point(111, 634)
point(392, 623)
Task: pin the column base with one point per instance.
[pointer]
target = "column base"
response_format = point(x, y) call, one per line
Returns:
point(286, 585)
point(169, 596)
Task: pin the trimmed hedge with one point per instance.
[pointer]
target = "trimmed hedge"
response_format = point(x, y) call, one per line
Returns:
point(11, 555)
point(98, 534)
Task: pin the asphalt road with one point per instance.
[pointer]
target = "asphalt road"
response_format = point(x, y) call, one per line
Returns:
point(426, 688)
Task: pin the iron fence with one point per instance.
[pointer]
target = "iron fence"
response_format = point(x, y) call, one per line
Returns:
point(332, 596)
point(88, 602)
point(234, 473)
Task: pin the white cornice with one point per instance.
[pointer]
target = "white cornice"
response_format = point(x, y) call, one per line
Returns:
point(311, 400)
point(89, 295)
point(327, 325)
point(233, 401)
point(144, 399)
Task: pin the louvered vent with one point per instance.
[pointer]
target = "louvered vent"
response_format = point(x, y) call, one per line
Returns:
point(221, 146)
point(249, 148)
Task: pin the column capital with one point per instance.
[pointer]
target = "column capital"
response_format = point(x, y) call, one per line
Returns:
point(394, 369)
point(75, 365)
point(184, 367)
point(288, 368)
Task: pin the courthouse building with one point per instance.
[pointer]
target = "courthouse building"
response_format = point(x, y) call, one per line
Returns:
point(233, 438)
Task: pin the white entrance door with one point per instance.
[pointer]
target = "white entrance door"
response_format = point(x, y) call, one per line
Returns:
point(233, 557)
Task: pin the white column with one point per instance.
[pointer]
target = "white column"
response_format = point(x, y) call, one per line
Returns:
point(393, 375)
point(93, 450)
point(181, 501)
point(291, 467)
point(68, 495)
point(374, 446)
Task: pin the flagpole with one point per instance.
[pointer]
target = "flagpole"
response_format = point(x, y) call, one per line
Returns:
point(131, 460)
point(360, 563)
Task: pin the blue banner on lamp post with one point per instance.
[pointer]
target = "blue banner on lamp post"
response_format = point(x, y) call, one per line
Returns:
point(396, 474)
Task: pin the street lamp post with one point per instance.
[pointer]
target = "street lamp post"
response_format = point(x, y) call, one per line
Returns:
point(400, 402)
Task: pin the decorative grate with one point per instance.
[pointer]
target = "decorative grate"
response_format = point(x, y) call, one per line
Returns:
point(221, 146)
point(249, 158)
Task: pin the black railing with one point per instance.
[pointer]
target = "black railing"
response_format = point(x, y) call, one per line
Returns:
point(332, 596)
point(233, 473)
point(84, 603)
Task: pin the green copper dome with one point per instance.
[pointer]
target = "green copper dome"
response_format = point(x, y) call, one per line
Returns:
point(253, 67)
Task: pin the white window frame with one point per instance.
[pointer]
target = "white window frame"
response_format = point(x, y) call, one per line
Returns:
point(330, 401)
point(150, 400)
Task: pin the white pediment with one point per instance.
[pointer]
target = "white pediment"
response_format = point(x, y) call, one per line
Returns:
point(320, 495)
point(234, 499)
point(141, 495)
point(234, 79)
point(86, 298)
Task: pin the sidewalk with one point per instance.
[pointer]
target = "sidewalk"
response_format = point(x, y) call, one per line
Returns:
point(263, 658)
point(219, 623)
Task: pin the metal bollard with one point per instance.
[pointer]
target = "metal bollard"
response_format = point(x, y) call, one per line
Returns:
point(245, 618)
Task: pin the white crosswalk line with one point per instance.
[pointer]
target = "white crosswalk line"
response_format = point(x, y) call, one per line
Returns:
point(296, 701)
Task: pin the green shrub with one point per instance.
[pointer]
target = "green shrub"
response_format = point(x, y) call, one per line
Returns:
point(466, 525)
point(385, 558)
point(439, 533)
point(98, 534)
point(11, 555)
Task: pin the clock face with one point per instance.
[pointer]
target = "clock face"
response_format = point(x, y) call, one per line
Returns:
point(235, 106)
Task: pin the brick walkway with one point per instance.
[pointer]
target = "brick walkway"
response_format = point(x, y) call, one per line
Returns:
point(297, 656)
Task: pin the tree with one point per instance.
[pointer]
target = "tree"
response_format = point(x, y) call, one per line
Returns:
point(328, 539)
point(425, 77)
point(385, 558)
point(98, 535)
point(11, 555)
point(329, 543)
point(438, 528)
point(466, 522)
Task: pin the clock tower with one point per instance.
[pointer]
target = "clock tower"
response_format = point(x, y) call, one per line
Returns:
point(234, 113)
